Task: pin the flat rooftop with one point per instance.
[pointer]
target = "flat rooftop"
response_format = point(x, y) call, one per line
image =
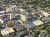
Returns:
point(37, 22)
point(10, 30)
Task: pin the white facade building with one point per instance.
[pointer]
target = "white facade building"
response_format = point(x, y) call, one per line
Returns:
point(11, 16)
point(23, 17)
point(1, 21)
point(21, 10)
point(10, 8)
point(37, 22)
point(4, 32)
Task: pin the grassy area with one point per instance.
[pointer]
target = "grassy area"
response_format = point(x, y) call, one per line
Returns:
point(16, 19)
point(24, 31)
point(1, 35)
point(9, 24)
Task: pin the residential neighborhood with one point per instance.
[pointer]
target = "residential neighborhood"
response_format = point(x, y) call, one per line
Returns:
point(24, 18)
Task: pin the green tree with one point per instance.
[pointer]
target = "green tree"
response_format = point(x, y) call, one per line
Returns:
point(42, 28)
point(9, 24)
point(36, 36)
point(46, 29)
point(37, 32)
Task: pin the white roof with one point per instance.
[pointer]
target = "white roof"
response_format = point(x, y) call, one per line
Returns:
point(4, 32)
point(1, 21)
point(21, 9)
point(10, 30)
point(2, 11)
point(37, 22)
point(45, 13)
point(10, 8)
point(25, 36)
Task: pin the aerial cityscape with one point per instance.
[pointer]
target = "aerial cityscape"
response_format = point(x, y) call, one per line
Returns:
point(24, 18)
